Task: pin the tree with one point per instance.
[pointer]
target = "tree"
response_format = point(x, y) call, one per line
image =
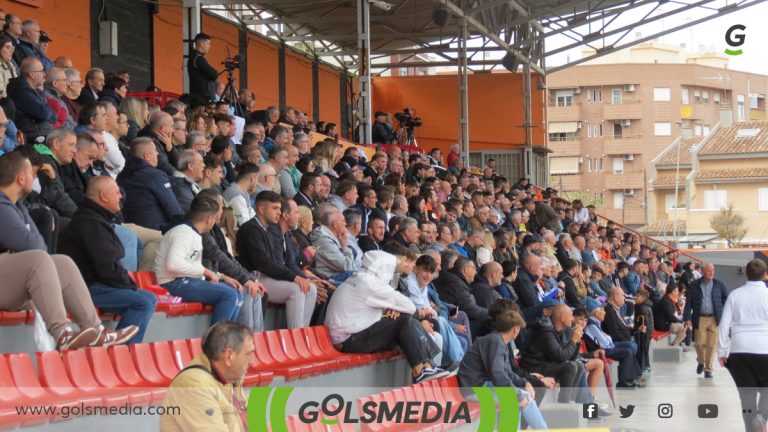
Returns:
point(729, 225)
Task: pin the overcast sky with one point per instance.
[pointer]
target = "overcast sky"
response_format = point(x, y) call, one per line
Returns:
point(710, 33)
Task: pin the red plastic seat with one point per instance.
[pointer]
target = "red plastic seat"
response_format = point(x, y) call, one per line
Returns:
point(23, 373)
point(81, 375)
point(10, 398)
point(269, 357)
point(181, 352)
point(145, 365)
point(13, 317)
point(165, 361)
point(658, 335)
point(302, 348)
point(195, 347)
point(324, 340)
point(310, 337)
point(106, 375)
point(53, 375)
point(295, 349)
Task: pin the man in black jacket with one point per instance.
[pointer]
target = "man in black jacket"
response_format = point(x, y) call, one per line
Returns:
point(703, 309)
point(375, 235)
point(58, 150)
point(202, 76)
point(309, 185)
point(483, 288)
point(551, 352)
point(614, 324)
point(453, 287)
point(217, 258)
point(525, 285)
point(184, 181)
point(160, 131)
point(33, 115)
point(149, 200)
point(283, 285)
point(90, 240)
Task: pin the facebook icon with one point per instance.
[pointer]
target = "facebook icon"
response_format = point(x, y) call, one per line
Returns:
point(589, 411)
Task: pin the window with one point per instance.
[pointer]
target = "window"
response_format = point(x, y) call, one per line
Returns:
point(685, 97)
point(762, 198)
point(616, 96)
point(564, 98)
point(595, 130)
point(618, 200)
point(697, 96)
point(595, 95)
point(716, 98)
point(618, 165)
point(697, 130)
point(740, 109)
point(669, 202)
point(601, 164)
point(754, 100)
point(705, 130)
point(705, 97)
point(715, 199)
point(564, 165)
point(562, 136)
point(662, 129)
point(661, 94)
point(589, 165)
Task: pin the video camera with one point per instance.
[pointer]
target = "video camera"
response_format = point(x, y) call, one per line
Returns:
point(232, 63)
point(407, 119)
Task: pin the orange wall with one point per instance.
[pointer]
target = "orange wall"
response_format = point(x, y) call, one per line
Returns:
point(263, 79)
point(169, 49)
point(67, 22)
point(298, 82)
point(329, 91)
point(495, 108)
point(224, 35)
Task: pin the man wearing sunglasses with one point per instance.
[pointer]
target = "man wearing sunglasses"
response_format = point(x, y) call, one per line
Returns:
point(33, 115)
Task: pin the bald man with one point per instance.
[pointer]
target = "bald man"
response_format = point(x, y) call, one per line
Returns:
point(706, 299)
point(160, 130)
point(483, 288)
point(92, 243)
point(552, 349)
point(614, 323)
point(525, 285)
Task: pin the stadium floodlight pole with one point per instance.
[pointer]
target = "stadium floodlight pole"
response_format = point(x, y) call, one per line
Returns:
point(191, 23)
point(364, 70)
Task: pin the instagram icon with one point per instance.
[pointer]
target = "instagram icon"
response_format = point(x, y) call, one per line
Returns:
point(665, 410)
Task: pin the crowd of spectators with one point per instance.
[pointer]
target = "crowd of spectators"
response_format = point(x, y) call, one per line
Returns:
point(400, 249)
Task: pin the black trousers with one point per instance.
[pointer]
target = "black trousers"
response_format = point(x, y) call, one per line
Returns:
point(569, 375)
point(386, 333)
point(628, 367)
point(750, 374)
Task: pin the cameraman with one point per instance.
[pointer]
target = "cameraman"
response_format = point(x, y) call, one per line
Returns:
point(202, 76)
point(382, 132)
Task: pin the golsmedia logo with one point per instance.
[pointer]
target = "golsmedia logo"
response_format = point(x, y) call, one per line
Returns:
point(267, 409)
point(734, 39)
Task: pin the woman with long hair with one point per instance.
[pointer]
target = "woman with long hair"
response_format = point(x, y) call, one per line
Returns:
point(137, 111)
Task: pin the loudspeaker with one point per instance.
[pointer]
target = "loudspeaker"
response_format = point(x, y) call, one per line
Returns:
point(510, 62)
point(440, 16)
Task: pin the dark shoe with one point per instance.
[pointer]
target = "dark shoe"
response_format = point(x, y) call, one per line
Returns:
point(429, 374)
point(699, 368)
point(758, 423)
point(71, 340)
point(625, 385)
point(637, 384)
point(708, 375)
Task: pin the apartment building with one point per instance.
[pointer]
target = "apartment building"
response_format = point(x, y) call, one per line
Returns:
point(608, 121)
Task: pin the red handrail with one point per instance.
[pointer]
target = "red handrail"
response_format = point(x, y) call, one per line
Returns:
point(156, 97)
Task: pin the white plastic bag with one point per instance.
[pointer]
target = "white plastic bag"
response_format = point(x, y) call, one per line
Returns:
point(43, 339)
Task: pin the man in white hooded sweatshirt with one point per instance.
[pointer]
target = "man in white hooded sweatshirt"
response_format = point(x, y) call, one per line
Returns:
point(367, 315)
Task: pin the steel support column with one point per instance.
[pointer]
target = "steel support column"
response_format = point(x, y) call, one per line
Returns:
point(364, 70)
point(463, 93)
point(527, 121)
point(191, 25)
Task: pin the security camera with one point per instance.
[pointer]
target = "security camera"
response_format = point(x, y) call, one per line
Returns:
point(381, 4)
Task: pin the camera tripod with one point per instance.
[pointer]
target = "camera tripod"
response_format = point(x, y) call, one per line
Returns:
point(230, 94)
point(406, 136)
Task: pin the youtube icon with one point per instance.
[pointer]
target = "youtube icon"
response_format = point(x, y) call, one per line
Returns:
point(707, 411)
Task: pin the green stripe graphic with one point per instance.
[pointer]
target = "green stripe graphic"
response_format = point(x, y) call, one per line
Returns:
point(277, 409)
point(487, 409)
point(257, 409)
point(734, 52)
point(509, 413)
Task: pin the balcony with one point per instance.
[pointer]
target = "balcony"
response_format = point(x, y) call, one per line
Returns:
point(633, 179)
point(629, 109)
point(563, 113)
point(625, 144)
point(567, 147)
point(629, 215)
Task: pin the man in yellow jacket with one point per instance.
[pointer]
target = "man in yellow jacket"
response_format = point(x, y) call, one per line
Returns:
point(209, 391)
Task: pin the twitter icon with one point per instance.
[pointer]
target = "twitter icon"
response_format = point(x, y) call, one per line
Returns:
point(626, 412)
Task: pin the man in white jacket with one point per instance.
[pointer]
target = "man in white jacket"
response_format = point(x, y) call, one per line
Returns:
point(179, 263)
point(367, 315)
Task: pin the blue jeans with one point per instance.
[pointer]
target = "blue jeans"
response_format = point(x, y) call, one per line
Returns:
point(134, 307)
point(132, 247)
point(627, 344)
point(224, 298)
point(452, 350)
